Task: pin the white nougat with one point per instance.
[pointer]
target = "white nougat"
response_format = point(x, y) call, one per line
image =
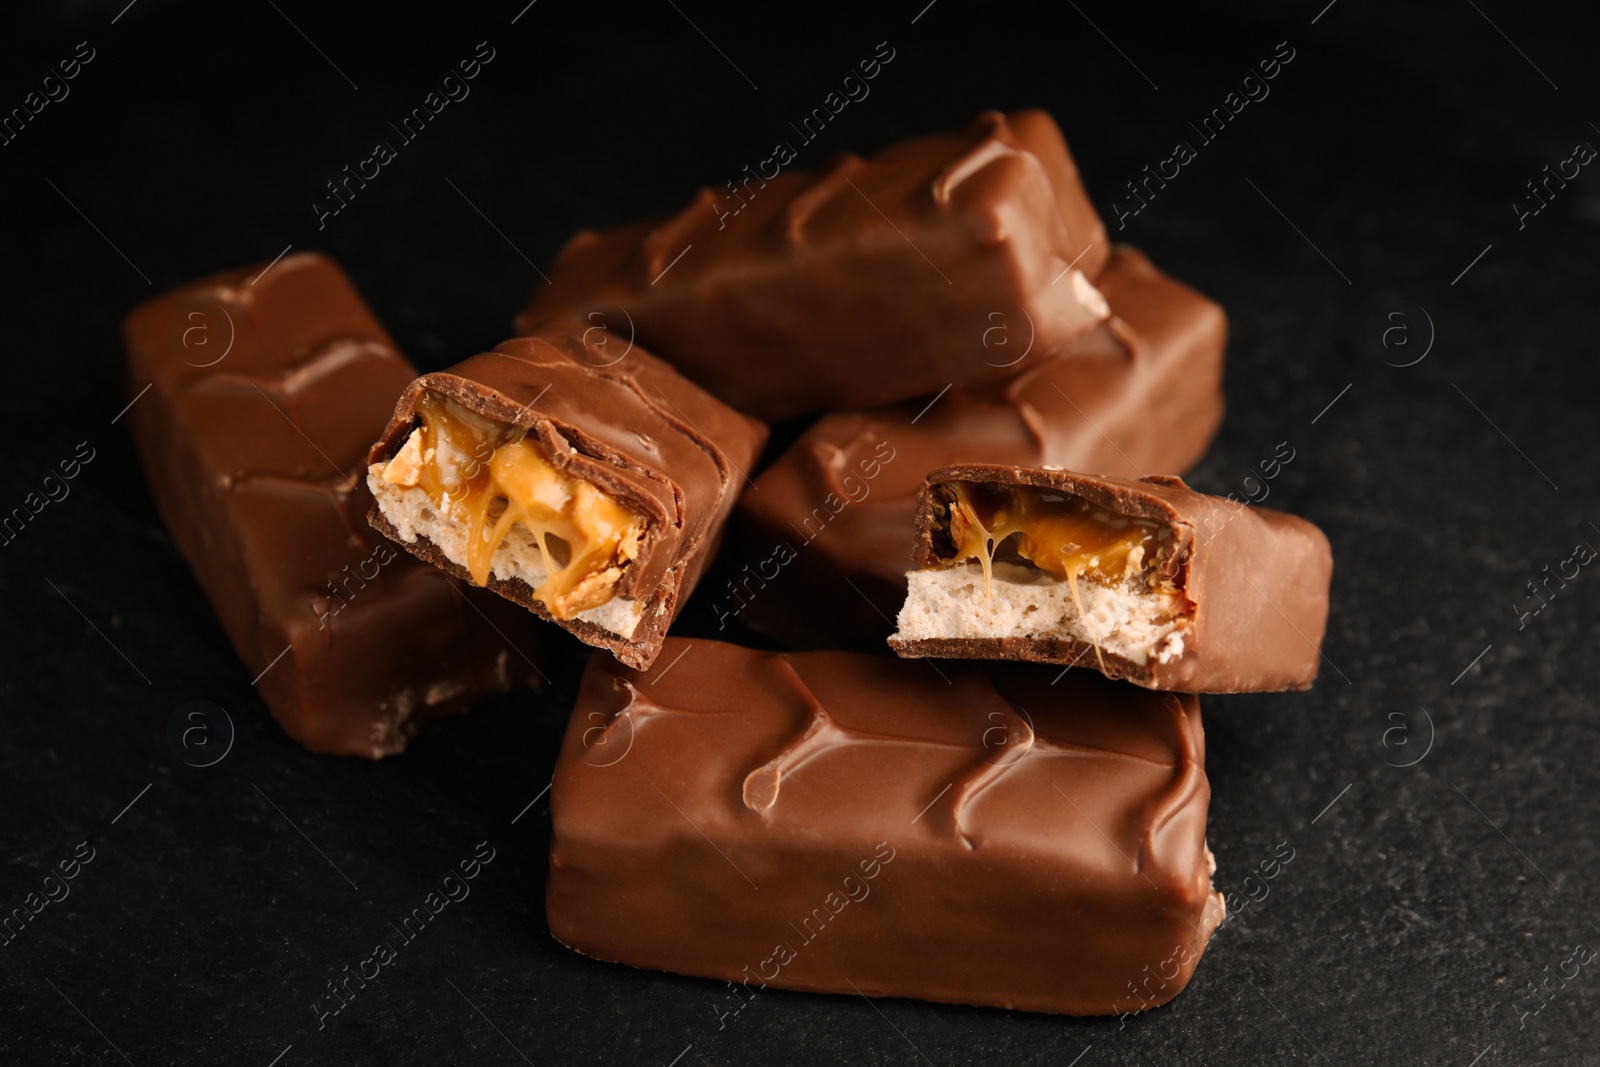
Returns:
point(517, 556)
point(1126, 620)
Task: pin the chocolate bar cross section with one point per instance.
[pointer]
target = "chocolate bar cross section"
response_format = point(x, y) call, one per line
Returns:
point(571, 472)
point(1145, 580)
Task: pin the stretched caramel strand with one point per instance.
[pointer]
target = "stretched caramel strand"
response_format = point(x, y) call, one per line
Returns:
point(1060, 535)
point(469, 466)
point(1063, 536)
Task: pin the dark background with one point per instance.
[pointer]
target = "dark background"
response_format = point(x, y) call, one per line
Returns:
point(1421, 899)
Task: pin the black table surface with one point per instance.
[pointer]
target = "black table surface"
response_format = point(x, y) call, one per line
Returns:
point(1419, 341)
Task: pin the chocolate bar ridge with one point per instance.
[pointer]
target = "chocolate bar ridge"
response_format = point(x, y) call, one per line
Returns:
point(864, 283)
point(1000, 841)
point(265, 387)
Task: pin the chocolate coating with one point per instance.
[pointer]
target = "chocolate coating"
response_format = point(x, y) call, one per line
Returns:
point(864, 283)
point(631, 425)
point(1139, 394)
point(1257, 578)
point(264, 391)
point(844, 823)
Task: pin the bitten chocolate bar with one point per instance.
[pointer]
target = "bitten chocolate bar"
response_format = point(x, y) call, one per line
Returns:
point(264, 390)
point(829, 526)
point(1145, 580)
point(571, 472)
point(951, 258)
point(843, 823)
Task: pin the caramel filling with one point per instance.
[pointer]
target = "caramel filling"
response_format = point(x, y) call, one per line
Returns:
point(491, 476)
point(1063, 536)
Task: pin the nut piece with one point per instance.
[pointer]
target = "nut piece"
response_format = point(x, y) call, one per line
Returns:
point(406, 466)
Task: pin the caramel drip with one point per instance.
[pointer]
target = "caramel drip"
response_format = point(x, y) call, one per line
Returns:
point(469, 465)
point(1064, 536)
point(1094, 639)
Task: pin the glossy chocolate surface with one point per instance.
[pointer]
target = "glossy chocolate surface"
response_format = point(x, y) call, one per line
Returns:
point(265, 389)
point(952, 258)
point(846, 823)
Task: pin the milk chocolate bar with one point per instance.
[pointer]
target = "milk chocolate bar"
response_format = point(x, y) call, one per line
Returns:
point(1145, 580)
point(571, 472)
point(953, 258)
point(264, 390)
point(844, 823)
point(828, 528)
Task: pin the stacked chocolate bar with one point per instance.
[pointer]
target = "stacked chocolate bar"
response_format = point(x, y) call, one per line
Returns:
point(999, 399)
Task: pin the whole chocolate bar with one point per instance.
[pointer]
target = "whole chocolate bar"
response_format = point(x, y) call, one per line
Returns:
point(844, 823)
point(1146, 580)
point(829, 527)
point(571, 472)
point(264, 390)
point(946, 259)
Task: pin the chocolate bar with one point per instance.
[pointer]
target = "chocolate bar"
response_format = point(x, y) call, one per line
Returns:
point(1145, 580)
point(265, 388)
point(571, 472)
point(844, 823)
point(952, 258)
point(828, 528)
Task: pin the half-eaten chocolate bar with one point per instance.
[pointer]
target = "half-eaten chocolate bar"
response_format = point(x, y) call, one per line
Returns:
point(586, 487)
point(1145, 580)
